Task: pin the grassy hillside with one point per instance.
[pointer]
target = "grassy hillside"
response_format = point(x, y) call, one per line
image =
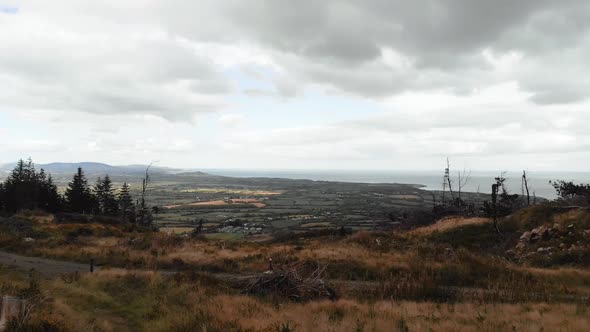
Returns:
point(457, 274)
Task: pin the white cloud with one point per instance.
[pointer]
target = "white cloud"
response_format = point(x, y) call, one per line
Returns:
point(499, 82)
point(232, 120)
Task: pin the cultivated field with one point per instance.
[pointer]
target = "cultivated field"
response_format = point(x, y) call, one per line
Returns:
point(254, 206)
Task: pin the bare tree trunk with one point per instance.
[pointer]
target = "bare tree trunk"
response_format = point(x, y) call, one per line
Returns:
point(463, 179)
point(444, 184)
point(495, 187)
point(448, 177)
point(459, 179)
point(142, 206)
point(525, 185)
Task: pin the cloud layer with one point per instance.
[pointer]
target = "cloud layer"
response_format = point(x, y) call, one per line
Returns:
point(298, 83)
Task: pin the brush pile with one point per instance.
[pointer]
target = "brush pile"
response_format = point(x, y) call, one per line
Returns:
point(292, 283)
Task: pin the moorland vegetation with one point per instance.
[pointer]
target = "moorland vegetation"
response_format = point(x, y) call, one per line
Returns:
point(525, 268)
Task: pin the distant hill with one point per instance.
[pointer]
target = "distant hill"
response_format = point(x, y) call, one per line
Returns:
point(93, 168)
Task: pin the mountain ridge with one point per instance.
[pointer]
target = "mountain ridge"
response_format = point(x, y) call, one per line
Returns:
point(93, 168)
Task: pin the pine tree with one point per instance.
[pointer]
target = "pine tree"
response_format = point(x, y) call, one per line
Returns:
point(21, 188)
point(105, 194)
point(126, 206)
point(2, 195)
point(49, 199)
point(99, 195)
point(78, 196)
point(27, 189)
point(55, 201)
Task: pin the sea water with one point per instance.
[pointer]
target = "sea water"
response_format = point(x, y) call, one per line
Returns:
point(430, 180)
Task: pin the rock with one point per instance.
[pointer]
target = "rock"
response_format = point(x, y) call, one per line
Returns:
point(525, 237)
point(541, 249)
point(28, 239)
point(538, 233)
point(570, 227)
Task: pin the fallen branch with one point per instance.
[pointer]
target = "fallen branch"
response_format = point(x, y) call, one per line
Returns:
point(291, 283)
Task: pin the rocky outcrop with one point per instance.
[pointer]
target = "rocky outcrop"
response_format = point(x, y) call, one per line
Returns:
point(547, 240)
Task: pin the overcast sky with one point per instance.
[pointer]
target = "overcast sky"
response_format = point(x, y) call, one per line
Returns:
point(367, 84)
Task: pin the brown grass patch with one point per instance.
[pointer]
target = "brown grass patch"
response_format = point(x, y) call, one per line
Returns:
point(449, 223)
point(120, 300)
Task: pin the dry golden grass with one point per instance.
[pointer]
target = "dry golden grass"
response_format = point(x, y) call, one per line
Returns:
point(386, 282)
point(347, 315)
point(447, 224)
point(143, 301)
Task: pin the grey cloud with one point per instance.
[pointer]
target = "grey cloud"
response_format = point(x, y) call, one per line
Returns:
point(560, 95)
point(345, 48)
point(108, 74)
point(334, 41)
point(338, 45)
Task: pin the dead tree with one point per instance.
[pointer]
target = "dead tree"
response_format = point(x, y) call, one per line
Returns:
point(525, 188)
point(143, 213)
point(448, 178)
point(462, 180)
point(444, 187)
point(495, 189)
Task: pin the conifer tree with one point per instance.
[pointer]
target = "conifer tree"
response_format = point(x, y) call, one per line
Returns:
point(27, 189)
point(55, 201)
point(49, 199)
point(21, 188)
point(126, 206)
point(78, 196)
point(2, 206)
point(99, 196)
point(105, 195)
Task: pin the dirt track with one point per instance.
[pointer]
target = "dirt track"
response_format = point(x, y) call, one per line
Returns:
point(47, 267)
point(53, 267)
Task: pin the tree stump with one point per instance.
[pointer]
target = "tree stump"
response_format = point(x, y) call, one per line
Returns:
point(10, 307)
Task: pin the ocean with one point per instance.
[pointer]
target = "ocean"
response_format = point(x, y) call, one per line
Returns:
point(430, 180)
